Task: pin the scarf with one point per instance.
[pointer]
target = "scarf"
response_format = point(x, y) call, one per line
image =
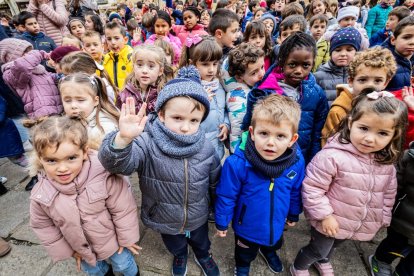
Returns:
point(212, 85)
point(273, 168)
point(173, 144)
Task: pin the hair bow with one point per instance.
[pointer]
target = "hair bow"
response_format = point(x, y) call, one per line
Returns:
point(192, 40)
point(382, 94)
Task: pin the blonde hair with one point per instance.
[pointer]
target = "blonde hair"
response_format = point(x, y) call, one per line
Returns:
point(276, 108)
point(376, 57)
point(71, 36)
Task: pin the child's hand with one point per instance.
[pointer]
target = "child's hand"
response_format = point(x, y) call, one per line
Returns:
point(290, 223)
point(330, 226)
point(131, 125)
point(210, 93)
point(408, 97)
point(133, 248)
point(224, 131)
point(78, 259)
point(137, 35)
point(221, 234)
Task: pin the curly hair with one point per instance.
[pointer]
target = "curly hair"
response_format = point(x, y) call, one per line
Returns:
point(259, 28)
point(241, 56)
point(376, 57)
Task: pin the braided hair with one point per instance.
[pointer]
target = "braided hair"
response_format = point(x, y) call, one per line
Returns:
point(298, 40)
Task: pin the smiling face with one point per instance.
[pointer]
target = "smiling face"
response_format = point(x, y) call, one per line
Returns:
point(205, 18)
point(343, 55)
point(318, 7)
point(147, 69)
point(298, 66)
point(77, 99)
point(115, 40)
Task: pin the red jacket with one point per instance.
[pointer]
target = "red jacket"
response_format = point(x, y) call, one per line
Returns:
point(410, 128)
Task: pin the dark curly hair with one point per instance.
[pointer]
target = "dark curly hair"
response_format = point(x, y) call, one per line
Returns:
point(241, 56)
point(298, 40)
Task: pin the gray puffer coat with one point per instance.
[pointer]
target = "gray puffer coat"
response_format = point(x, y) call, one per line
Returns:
point(175, 192)
point(329, 76)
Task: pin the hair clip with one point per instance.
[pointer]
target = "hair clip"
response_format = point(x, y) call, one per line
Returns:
point(192, 40)
point(382, 94)
point(92, 80)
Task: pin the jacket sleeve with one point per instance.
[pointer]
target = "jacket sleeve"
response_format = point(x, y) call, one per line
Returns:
point(389, 199)
point(295, 207)
point(320, 173)
point(333, 119)
point(58, 17)
point(372, 14)
point(123, 209)
point(214, 176)
point(49, 235)
point(319, 121)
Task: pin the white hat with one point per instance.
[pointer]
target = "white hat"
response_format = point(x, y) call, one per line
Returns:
point(348, 11)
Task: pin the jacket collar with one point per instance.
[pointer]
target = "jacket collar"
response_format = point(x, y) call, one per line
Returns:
point(123, 55)
point(334, 143)
point(33, 37)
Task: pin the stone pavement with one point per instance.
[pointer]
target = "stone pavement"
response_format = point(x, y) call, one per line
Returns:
point(29, 258)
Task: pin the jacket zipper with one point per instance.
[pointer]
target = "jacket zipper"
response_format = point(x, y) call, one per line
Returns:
point(185, 194)
point(272, 203)
point(116, 70)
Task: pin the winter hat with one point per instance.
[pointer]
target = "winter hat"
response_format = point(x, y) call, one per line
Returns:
point(114, 15)
point(269, 16)
point(187, 83)
point(348, 11)
point(346, 36)
point(12, 48)
point(60, 52)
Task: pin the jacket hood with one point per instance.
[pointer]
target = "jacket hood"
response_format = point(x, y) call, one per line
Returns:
point(269, 16)
point(333, 143)
point(12, 48)
point(340, 88)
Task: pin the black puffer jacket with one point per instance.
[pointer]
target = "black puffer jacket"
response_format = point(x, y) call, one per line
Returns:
point(329, 76)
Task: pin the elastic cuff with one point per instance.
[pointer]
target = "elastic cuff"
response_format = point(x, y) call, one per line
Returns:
point(221, 228)
point(293, 218)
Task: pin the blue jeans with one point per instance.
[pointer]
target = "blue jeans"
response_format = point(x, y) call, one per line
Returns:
point(123, 263)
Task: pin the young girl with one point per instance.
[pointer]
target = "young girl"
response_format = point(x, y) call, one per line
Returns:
point(76, 27)
point(205, 55)
point(162, 29)
point(256, 34)
point(191, 27)
point(321, 7)
point(85, 96)
point(350, 185)
point(205, 18)
point(150, 74)
point(93, 23)
point(78, 209)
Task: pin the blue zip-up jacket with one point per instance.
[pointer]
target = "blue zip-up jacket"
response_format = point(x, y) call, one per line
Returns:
point(39, 41)
point(245, 196)
point(379, 37)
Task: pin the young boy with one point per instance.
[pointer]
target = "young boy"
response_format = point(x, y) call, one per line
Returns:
point(267, 169)
point(318, 24)
point(117, 62)
point(190, 170)
point(39, 40)
point(395, 16)
point(92, 44)
point(252, 7)
point(291, 25)
point(401, 45)
point(377, 75)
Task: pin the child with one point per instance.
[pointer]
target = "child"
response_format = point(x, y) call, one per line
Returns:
point(343, 47)
point(321, 7)
point(191, 27)
point(289, 26)
point(190, 167)
point(57, 55)
point(256, 34)
point(341, 200)
point(86, 97)
point(333, 7)
point(293, 8)
point(150, 71)
point(318, 24)
point(71, 40)
point(377, 17)
point(253, 5)
point(94, 23)
point(39, 40)
point(272, 25)
point(395, 16)
point(401, 45)
point(96, 210)
point(205, 55)
point(28, 78)
point(92, 44)
point(205, 19)
point(372, 68)
point(76, 27)
point(275, 8)
point(258, 14)
point(118, 61)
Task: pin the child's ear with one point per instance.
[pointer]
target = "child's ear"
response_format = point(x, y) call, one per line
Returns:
point(251, 132)
point(125, 39)
point(392, 40)
point(161, 116)
point(238, 78)
point(295, 137)
point(96, 101)
point(218, 33)
point(161, 71)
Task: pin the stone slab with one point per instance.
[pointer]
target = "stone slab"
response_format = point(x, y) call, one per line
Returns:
point(17, 176)
point(25, 233)
point(66, 268)
point(14, 210)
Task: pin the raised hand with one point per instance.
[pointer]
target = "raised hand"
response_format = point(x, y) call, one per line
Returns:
point(224, 131)
point(408, 97)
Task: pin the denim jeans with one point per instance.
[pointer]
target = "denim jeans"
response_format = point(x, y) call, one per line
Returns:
point(123, 263)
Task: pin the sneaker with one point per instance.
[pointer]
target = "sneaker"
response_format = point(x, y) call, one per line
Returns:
point(272, 261)
point(21, 160)
point(208, 266)
point(297, 272)
point(4, 247)
point(179, 267)
point(379, 268)
point(3, 179)
point(31, 183)
point(241, 271)
point(324, 269)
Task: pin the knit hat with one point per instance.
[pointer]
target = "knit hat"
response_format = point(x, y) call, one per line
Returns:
point(60, 52)
point(269, 16)
point(348, 11)
point(187, 83)
point(114, 15)
point(12, 48)
point(346, 36)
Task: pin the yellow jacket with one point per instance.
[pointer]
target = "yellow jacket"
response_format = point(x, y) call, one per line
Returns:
point(119, 66)
point(322, 55)
point(340, 107)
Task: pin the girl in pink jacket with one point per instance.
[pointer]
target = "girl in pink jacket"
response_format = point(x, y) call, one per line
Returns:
point(350, 185)
point(191, 27)
point(78, 209)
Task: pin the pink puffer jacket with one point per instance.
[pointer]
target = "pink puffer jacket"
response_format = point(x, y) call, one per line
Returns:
point(35, 86)
point(94, 215)
point(182, 32)
point(345, 183)
point(52, 21)
point(174, 42)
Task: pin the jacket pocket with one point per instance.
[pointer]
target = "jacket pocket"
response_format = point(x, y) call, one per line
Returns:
point(242, 213)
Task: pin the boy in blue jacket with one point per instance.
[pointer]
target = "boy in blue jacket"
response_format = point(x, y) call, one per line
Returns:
point(260, 184)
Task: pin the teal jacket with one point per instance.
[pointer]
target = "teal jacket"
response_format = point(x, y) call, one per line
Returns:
point(377, 18)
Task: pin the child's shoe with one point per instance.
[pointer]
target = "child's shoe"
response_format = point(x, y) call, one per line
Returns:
point(241, 271)
point(4, 247)
point(208, 266)
point(21, 160)
point(179, 267)
point(379, 268)
point(272, 260)
point(324, 269)
point(297, 272)
point(3, 189)
point(31, 183)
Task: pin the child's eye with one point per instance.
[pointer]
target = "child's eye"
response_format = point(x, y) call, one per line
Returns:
point(362, 80)
point(363, 128)
point(383, 133)
point(71, 158)
point(306, 65)
point(194, 121)
point(177, 118)
point(50, 161)
point(281, 136)
point(292, 65)
point(263, 133)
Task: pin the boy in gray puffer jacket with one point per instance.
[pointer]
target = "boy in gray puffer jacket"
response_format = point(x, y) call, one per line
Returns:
point(177, 166)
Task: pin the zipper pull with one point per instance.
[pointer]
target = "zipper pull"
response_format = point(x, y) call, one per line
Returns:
point(272, 184)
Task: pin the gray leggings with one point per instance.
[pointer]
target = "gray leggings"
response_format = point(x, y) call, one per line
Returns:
point(320, 249)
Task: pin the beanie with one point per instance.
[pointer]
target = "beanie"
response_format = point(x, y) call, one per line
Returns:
point(60, 52)
point(187, 83)
point(346, 36)
point(114, 15)
point(12, 48)
point(271, 17)
point(348, 11)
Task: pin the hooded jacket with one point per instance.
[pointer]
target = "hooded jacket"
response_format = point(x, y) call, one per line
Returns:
point(377, 18)
point(131, 91)
point(93, 215)
point(40, 41)
point(275, 32)
point(174, 41)
point(182, 32)
point(119, 66)
point(329, 76)
point(349, 185)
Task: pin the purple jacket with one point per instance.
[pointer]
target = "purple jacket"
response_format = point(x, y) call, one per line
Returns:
point(130, 91)
point(34, 85)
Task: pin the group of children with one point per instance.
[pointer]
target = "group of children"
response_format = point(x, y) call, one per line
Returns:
point(313, 119)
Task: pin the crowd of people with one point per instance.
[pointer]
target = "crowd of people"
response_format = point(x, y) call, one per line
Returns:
point(237, 113)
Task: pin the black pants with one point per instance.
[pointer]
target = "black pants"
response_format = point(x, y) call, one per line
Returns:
point(198, 240)
point(245, 251)
point(320, 249)
point(394, 246)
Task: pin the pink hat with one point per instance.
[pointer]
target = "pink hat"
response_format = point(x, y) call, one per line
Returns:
point(60, 52)
point(12, 48)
